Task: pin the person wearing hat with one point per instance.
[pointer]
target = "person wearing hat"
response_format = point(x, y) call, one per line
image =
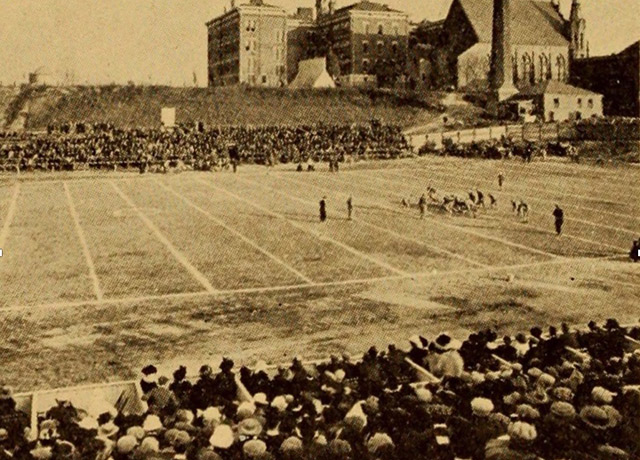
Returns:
point(149, 378)
point(222, 437)
point(249, 427)
point(254, 448)
point(444, 360)
point(126, 445)
point(160, 399)
point(180, 386)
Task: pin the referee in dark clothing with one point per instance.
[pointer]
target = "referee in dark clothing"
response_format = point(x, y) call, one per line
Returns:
point(323, 209)
point(558, 214)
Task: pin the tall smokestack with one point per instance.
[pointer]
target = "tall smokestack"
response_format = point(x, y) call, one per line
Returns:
point(501, 71)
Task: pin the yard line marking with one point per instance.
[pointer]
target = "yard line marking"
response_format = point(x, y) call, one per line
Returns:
point(10, 213)
point(385, 230)
point(565, 235)
point(474, 174)
point(318, 235)
point(443, 224)
point(235, 232)
point(438, 176)
point(83, 243)
point(574, 237)
point(172, 249)
point(300, 287)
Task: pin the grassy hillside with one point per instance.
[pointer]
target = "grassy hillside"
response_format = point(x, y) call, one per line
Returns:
point(7, 95)
point(133, 106)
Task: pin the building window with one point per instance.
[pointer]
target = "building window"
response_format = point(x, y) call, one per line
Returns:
point(380, 46)
point(394, 47)
point(365, 46)
point(251, 67)
point(551, 116)
point(556, 103)
point(365, 27)
point(365, 66)
point(264, 79)
point(579, 102)
point(590, 103)
point(396, 29)
point(380, 29)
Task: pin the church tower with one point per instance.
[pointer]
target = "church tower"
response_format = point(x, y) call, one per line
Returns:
point(577, 26)
point(501, 85)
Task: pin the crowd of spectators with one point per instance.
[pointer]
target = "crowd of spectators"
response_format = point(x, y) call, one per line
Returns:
point(560, 395)
point(103, 146)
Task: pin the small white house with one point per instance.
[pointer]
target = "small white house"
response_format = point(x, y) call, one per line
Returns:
point(557, 101)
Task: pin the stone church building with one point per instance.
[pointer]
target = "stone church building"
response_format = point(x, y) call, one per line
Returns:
point(543, 42)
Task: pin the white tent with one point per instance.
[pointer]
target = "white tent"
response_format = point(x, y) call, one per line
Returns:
point(312, 73)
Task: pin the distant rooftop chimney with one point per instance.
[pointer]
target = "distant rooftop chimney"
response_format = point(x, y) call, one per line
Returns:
point(305, 13)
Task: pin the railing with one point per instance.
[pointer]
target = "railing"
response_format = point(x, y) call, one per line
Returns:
point(524, 132)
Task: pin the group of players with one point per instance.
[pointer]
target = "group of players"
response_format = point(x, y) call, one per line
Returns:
point(476, 200)
point(451, 203)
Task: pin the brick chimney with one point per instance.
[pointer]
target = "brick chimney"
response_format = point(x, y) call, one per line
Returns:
point(501, 85)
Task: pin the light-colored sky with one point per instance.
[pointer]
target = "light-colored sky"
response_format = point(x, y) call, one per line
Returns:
point(164, 41)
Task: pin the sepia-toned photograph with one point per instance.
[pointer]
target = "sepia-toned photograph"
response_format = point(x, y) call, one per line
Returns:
point(319, 230)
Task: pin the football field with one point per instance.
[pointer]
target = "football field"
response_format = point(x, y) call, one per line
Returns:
point(101, 274)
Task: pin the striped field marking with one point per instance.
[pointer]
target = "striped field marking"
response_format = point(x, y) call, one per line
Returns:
point(242, 237)
point(318, 235)
point(83, 243)
point(436, 171)
point(302, 287)
point(382, 229)
point(573, 237)
point(172, 249)
point(9, 217)
point(439, 178)
point(438, 222)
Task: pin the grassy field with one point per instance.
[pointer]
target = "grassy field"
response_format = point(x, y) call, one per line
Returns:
point(104, 273)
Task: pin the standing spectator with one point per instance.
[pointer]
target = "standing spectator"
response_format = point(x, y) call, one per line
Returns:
point(500, 179)
point(349, 207)
point(558, 214)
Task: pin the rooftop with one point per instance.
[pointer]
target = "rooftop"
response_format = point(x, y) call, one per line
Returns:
point(368, 5)
point(533, 22)
point(555, 87)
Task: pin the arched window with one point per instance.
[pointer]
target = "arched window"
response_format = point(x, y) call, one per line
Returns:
point(528, 69)
point(561, 68)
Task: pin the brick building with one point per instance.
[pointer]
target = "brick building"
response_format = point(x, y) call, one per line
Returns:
point(247, 44)
point(259, 45)
point(367, 38)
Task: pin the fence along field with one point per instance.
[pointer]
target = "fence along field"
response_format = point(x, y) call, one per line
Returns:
point(171, 253)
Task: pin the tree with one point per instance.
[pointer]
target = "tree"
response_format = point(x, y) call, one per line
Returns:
point(388, 70)
point(333, 64)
